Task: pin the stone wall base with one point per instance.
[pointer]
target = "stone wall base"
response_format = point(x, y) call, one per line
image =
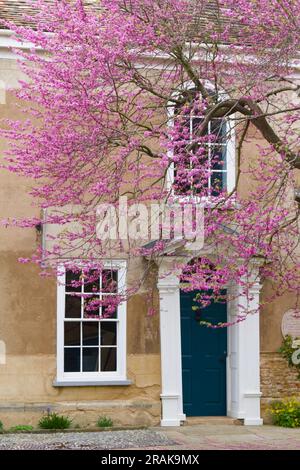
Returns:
point(84, 414)
point(278, 381)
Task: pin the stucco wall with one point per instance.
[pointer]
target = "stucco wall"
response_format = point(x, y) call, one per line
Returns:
point(28, 327)
point(271, 317)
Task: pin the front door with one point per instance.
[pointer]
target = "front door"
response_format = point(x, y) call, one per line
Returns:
point(204, 353)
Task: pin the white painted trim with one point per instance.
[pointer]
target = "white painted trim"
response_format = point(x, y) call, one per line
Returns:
point(8, 42)
point(229, 56)
point(96, 377)
point(253, 422)
point(170, 343)
point(231, 157)
point(160, 58)
point(243, 362)
point(91, 383)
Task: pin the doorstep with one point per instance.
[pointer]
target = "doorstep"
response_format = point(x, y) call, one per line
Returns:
point(209, 420)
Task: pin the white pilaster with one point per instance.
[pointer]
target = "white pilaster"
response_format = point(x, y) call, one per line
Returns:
point(244, 358)
point(251, 366)
point(170, 343)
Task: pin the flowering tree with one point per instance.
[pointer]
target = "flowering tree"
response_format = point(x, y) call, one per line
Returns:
point(143, 98)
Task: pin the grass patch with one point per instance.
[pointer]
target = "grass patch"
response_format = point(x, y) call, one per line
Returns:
point(21, 427)
point(104, 422)
point(54, 421)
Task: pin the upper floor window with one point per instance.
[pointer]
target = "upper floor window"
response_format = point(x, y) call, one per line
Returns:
point(203, 158)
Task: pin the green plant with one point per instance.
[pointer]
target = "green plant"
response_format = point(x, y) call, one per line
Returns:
point(286, 412)
point(104, 422)
point(21, 427)
point(287, 350)
point(54, 421)
point(1, 425)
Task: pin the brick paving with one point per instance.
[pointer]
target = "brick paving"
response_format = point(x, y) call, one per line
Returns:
point(231, 437)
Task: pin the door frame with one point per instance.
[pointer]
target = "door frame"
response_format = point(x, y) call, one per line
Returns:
point(243, 350)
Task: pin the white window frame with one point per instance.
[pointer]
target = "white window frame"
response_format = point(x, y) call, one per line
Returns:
point(230, 155)
point(117, 377)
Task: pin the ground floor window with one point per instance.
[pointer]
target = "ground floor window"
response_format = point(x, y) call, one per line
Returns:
point(91, 334)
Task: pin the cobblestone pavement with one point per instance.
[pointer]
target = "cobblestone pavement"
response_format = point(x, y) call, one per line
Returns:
point(196, 437)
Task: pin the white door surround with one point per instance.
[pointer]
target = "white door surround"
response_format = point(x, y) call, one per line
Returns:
point(243, 370)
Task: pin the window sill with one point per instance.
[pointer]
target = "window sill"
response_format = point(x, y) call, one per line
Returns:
point(206, 202)
point(91, 383)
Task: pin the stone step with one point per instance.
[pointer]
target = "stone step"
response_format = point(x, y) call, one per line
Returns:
point(209, 420)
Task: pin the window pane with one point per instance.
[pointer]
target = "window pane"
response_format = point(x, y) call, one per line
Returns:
point(197, 123)
point(91, 306)
point(92, 282)
point(73, 306)
point(182, 180)
point(72, 360)
point(90, 333)
point(108, 333)
point(110, 281)
point(108, 311)
point(218, 182)
point(218, 128)
point(90, 359)
point(73, 283)
point(218, 157)
point(108, 359)
point(182, 183)
point(72, 333)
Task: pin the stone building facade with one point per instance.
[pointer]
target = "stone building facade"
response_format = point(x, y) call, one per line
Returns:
point(150, 391)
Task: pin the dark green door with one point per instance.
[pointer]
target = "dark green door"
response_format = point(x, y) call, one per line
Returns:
point(204, 353)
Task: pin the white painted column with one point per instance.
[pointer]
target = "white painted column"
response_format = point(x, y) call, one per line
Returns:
point(244, 359)
point(170, 344)
point(250, 356)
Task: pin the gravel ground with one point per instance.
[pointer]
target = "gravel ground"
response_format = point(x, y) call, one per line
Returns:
point(85, 440)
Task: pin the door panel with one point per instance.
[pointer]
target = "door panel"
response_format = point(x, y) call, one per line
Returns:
point(204, 353)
